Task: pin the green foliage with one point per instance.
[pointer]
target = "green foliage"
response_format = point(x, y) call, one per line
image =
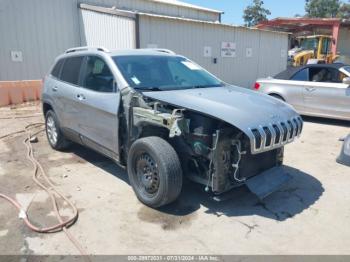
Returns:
point(255, 13)
point(327, 9)
point(344, 11)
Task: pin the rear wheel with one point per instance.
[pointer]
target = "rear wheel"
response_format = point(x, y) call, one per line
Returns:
point(53, 132)
point(154, 171)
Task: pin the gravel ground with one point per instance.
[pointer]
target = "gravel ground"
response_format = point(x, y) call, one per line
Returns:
point(308, 216)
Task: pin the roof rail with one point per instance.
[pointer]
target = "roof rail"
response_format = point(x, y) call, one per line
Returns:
point(87, 48)
point(162, 50)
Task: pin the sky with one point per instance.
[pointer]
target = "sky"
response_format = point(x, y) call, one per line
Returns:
point(234, 8)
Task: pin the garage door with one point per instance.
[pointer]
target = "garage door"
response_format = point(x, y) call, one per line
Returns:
point(112, 29)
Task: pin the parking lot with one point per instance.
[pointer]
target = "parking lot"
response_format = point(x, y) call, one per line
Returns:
point(308, 216)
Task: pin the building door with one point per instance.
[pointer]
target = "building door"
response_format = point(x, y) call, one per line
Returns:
point(108, 28)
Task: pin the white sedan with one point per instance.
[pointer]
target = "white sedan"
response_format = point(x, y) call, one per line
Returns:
point(321, 90)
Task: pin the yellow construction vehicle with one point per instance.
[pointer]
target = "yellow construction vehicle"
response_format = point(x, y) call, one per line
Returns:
point(314, 49)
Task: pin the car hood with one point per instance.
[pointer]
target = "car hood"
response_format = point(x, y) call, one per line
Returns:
point(240, 107)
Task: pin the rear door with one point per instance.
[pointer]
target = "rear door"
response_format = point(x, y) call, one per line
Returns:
point(325, 94)
point(98, 103)
point(65, 90)
point(50, 92)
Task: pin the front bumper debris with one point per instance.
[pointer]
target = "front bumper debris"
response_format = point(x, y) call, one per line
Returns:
point(268, 182)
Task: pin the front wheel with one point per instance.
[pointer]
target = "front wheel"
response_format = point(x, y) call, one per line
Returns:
point(154, 171)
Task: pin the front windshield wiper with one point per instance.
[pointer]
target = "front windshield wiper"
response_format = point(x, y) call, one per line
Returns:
point(207, 86)
point(153, 88)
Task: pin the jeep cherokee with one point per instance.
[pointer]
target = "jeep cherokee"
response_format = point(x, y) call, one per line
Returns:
point(163, 116)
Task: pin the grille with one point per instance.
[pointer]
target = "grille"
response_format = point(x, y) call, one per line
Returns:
point(297, 127)
point(275, 135)
point(268, 136)
point(301, 124)
point(257, 136)
point(291, 128)
point(285, 131)
point(278, 134)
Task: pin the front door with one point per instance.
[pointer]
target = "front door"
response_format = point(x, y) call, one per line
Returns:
point(325, 94)
point(98, 100)
point(294, 87)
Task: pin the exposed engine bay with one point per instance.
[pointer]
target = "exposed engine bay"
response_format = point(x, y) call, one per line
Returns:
point(212, 152)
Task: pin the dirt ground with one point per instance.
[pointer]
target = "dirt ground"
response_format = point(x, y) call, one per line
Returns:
point(310, 215)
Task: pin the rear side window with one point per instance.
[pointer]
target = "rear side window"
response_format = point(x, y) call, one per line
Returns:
point(57, 69)
point(71, 69)
point(302, 75)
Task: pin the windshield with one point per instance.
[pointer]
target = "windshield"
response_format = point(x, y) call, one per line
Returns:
point(309, 43)
point(156, 73)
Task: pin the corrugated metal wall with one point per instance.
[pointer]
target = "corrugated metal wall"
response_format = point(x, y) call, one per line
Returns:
point(149, 6)
point(40, 30)
point(189, 38)
point(110, 31)
point(344, 41)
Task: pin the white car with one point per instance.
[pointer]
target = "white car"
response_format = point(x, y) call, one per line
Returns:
point(321, 90)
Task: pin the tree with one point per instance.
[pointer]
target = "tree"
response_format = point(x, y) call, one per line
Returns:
point(344, 11)
point(255, 13)
point(322, 8)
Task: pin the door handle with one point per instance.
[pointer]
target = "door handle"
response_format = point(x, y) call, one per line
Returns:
point(55, 88)
point(310, 89)
point(81, 97)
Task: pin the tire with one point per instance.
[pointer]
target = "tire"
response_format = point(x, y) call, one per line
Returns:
point(53, 132)
point(154, 171)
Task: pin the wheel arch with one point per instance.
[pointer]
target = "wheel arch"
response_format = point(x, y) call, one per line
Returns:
point(147, 130)
point(277, 95)
point(46, 107)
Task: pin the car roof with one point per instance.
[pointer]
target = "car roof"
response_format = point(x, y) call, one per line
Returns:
point(88, 50)
point(130, 52)
point(289, 72)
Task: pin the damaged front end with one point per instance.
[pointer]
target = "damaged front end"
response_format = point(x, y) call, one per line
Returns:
point(212, 152)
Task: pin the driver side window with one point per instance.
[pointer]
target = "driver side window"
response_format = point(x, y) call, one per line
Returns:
point(97, 76)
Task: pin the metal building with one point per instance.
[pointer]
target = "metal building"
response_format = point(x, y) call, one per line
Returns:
point(36, 31)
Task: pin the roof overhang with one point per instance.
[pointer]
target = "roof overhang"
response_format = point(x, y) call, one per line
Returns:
point(187, 5)
point(295, 25)
point(130, 14)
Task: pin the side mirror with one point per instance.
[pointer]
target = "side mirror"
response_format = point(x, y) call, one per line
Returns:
point(346, 81)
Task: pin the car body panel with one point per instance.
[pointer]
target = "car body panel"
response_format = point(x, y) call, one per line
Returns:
point(291, 91)
point(98, 117)
point(323, 99)
point(327, 100)
point(61, 97)
point(238, 106)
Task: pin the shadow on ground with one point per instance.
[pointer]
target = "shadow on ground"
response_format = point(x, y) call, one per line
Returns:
point(295, 197)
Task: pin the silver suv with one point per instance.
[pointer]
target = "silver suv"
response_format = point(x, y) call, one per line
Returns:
point(163, 116)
